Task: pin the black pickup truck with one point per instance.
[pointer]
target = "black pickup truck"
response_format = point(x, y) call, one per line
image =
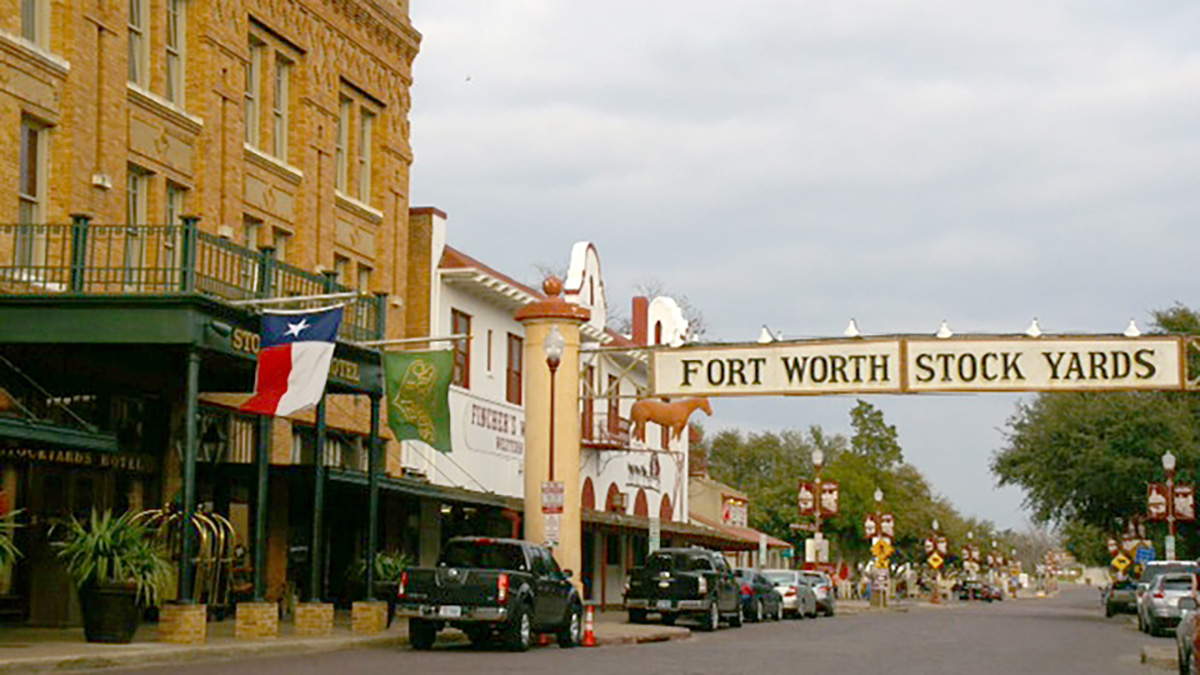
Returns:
point(491, 589)
point(684, 581)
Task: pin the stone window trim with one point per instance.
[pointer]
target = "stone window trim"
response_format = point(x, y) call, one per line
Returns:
point(268, 54)
point(38, 54)
point(264, 160)
point(359, 116)
point(364, 211)
point(35, 22)
point(175, 52)
point(161, 107)
point(139, 36)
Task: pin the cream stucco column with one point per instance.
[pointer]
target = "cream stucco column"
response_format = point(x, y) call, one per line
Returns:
point(540, 319)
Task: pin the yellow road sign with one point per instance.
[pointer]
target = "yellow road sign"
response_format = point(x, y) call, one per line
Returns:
point(935, 561)
point(882, 548)
point(1121, 562)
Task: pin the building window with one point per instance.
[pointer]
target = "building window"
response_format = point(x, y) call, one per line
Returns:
point(31, 193)
point(366, 124)
point(516, 356)
point(614, 405)
point(251, 226)
point(364, 279)
point(35, 21)
point(460, 324)
point(139, 42)
point(253, 83)
point(345, 106)
point(280, 240)
point(341, 267)
point(175, 43)
point(279, 106)
point(135, 219)
point(589, 402)
point(175, 200)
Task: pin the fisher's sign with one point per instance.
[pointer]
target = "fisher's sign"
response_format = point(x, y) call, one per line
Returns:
point(1044, 364)
point(834, 367)
point(906, 364)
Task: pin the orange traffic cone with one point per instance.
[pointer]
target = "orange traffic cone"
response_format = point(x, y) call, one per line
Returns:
point(589, 627)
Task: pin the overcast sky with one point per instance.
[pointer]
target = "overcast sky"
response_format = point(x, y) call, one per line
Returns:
point(797, 163)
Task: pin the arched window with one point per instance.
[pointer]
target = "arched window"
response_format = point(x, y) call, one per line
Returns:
point(588, 500)
point(640, 506)
point(610, 501)
point(666, 510)
point(658, 332)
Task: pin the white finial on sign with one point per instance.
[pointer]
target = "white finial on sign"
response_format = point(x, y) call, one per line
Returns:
point(944, 330)
point(1034, 329)
point(1132, 330)
point(852, 330)
point(765, 337)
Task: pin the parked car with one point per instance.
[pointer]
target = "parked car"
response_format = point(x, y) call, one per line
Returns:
point(1186, 636)
point(976, 590)
point(760, 600)
point(1153, 569)
point(1160, 604)
point(799, 599)
point(822, 586)
point(693, 582)
point(1120, 597)
point(491, 588)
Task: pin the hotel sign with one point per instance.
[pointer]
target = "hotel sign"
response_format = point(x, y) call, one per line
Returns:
point(917, 365)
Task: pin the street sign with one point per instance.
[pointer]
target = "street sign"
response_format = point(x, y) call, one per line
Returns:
point(887, 525)
point(1120, 562)
point(829, 497)
point(806, 498)
point(1185, 502)
point(553, 496)
point(1144, 555)
point(655, 533)
point(935, 561)
point(553, 528)
point(1156, 501)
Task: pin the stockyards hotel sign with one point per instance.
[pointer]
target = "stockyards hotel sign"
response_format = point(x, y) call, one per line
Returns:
point(917, 365)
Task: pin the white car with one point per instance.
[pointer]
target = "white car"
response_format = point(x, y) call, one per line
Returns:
point(1160, 604)
point(799, 599)
point(823, 587)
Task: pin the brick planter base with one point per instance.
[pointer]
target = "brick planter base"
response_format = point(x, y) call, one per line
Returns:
point(369, 617)
point(257, 620)
point(183, 624)
point(314, 619)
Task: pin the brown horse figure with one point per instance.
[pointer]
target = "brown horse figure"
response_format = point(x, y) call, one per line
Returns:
point(673, 415)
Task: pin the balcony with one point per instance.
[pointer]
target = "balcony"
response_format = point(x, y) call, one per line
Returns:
point(85, 259)
point(604, 432)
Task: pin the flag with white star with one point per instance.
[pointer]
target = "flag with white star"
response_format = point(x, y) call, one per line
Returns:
point(294, 354)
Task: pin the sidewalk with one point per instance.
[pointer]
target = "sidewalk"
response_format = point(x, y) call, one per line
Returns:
point(31, 650)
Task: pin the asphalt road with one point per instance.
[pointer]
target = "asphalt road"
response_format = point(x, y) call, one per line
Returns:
point(1062, 636)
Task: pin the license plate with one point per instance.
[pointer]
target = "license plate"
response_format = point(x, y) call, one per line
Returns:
point(663, 604)
point(450, 611)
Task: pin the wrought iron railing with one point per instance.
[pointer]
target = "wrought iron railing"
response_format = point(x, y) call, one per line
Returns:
point(82, 258)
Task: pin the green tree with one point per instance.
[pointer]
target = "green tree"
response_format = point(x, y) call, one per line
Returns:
point(874, 438)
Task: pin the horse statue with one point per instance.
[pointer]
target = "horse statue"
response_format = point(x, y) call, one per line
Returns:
point(673, 415)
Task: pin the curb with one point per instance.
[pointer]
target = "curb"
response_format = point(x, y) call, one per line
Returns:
point(1160, 656)
point(646, 638)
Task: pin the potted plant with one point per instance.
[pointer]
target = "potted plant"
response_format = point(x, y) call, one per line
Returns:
point(388, 567)
point(8, 549)
point(117, 565)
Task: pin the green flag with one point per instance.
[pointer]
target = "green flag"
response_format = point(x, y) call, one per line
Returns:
point(418, 386)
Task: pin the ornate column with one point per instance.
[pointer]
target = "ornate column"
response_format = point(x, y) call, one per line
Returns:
point(540, 320)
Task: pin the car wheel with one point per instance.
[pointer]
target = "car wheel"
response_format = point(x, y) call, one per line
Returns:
point(713, 620)
point(757, 617)
point(421, 634)
point(518, 632)
point(1181, 659)
point(829, 609)
point(480, 636)
point(738, 618)
point(571, 634)
point(637, 616)
point(1108, 610)
point(779, 612)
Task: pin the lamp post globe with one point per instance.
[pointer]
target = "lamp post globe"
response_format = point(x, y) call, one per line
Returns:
point(553, 347)
point(818, 459)
point(1168, 461)
point(935, 525)
point(878, 495)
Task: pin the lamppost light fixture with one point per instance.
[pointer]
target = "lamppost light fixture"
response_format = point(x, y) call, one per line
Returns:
point(554, 346)
point(935, 525)
point(878, 495)
point(1168, 461)
point(818, 458)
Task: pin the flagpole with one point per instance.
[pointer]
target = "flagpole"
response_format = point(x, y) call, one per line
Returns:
point(287, 300)
point(414, 340)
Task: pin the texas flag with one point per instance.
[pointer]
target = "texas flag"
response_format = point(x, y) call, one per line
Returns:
point(293, 360)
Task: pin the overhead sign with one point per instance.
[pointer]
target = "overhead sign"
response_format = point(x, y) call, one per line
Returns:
point(553, 496)
point(921, 364)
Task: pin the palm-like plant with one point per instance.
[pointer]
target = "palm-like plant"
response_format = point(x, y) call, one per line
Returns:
point(388, 566)
point(8, 549)
point(115, 550)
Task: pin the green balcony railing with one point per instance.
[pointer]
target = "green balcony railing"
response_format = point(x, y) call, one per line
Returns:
point(82, 258)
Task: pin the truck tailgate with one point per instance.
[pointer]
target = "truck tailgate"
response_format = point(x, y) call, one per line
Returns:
point(452, 586)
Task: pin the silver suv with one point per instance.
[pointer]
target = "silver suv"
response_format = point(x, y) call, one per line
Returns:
point(1151, 571)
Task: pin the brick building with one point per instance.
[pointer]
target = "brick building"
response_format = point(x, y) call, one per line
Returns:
point(282, 127)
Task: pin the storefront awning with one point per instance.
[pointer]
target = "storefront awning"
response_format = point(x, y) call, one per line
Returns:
point(744, 534)
point(424, 489)
point(696, 534)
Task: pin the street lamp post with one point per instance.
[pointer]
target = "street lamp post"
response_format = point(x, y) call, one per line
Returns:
point(1168, 464)
point(553, 346)
point(935, 540)
point(818, 460)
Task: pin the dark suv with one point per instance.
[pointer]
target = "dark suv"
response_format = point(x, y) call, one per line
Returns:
point(684, 581)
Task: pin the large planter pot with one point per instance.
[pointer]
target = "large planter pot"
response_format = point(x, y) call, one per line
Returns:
point(110, 612)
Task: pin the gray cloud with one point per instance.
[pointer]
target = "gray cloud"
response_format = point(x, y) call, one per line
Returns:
point(799, 163)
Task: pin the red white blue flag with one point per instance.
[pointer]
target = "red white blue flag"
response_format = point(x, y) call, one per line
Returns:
point(293, 360)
